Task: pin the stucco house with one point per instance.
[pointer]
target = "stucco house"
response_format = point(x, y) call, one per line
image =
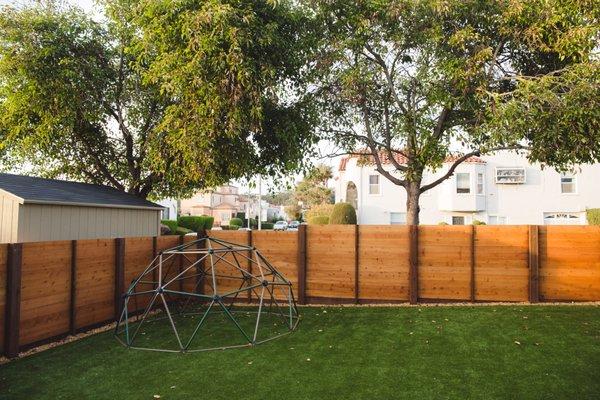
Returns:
point(36, 209)
point(503, 188)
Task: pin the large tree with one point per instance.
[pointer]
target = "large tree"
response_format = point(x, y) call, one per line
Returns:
point(425, 81)
point(155, 98)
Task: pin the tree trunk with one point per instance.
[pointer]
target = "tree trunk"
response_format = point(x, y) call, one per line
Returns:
point(412, 203)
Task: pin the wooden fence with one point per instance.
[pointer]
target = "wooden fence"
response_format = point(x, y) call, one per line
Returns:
point(51, 289)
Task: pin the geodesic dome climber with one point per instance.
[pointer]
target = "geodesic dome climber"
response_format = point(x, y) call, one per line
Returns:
point(207, 294)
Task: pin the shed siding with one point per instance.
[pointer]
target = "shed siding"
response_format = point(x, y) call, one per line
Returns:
point(44, 222)
point(9, 218)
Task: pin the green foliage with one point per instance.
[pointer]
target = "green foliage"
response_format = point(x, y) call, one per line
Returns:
point(157, 98)
point(318, 220)
point(313, 190)
point(171, 224)
point(266, 225)
point(196, 223)
point(343, 214)
point(236, 222)
point(478, 222)
point(208, 221)
point(319, 214)
point(183, 231)
point(293, 211)
point(593, 216)
point(443, 223)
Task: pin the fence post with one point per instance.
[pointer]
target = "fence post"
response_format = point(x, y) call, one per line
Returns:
point(200, 267)
point(119, 275)
point(413, 259)
point(356, 263)
point(302, 242)
point(73, 297)
point(13, 299)
point(473, 232)
point(249, 265)
point(534, 264)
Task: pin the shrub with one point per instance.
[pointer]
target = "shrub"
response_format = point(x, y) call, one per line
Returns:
point(442, 223)
point(322, 210)
point(343, 214)
point(233, 227)
point(266, 225)
point(593, 216)
point(182, 231)
point(318, 220)
point(225, 227)
point(478, 222)
point(236, 222)
point(196, 223)
point(171, 224)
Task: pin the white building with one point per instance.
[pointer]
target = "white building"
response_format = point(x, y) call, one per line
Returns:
point(503, 188)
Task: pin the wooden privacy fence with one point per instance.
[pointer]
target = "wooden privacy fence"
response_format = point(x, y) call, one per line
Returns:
point(51, 289)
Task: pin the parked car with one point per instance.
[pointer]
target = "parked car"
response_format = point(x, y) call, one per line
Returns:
point(293, 226)
point(280, 226)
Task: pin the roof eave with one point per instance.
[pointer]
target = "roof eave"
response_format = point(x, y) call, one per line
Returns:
point(100, 205)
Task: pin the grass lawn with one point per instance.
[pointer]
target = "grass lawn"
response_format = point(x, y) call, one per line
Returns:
point(490, 352)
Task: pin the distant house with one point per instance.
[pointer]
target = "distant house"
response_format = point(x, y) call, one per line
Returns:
point(225, 202)
point(502, 188)
point(36, 209)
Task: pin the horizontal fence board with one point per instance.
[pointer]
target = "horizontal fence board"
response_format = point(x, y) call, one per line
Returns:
point(444, 262)
point(138, 255)
point(501, 263)
point(3, 260)
point(229, 279)
point(95, 289)
point(569, 263)
point(330, 255)
point(383, 262)
point(45, 291)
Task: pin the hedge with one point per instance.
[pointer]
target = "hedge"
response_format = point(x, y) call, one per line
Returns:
point(182, 231)
point(478, 222)
point(322, 210)
point(593, 216)
point(343, 214)
point(171, 224)
point(236, 222)
point(266, 225)
point(319, 220)
point(196, 223)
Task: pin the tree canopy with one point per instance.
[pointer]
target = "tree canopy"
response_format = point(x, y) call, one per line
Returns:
point(159, 98)
point(414, 83)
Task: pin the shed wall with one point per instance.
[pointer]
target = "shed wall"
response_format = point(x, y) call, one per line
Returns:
point(9, 217)
point(42, 222)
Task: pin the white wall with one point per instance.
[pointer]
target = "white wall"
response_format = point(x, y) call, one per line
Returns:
point(518, 203)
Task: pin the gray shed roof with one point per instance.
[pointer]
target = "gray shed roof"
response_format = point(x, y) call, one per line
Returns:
point(52, 191)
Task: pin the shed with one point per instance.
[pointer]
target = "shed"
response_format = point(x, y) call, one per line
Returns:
point(36, 209)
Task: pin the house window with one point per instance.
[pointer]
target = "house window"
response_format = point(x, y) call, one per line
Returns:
point(510, 175)
point(463, 182)
point(374, 184)
point(479, 183)
point(398, 218)
point(496, 220)
point(568, 184)
point(457, 220)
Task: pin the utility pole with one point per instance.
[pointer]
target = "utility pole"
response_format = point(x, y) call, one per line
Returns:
point(259, 201)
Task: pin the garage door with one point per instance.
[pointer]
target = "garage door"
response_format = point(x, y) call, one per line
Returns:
point(562, 219)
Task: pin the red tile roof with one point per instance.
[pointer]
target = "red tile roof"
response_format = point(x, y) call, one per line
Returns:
point(400, 159)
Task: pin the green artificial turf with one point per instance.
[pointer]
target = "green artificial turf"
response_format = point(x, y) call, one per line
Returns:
point(491, 352)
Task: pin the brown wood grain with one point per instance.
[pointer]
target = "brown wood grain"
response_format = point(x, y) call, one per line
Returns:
point(569, 263)
point(383, 262)
point(45, 291)
point(3, 259)
point(281, 250)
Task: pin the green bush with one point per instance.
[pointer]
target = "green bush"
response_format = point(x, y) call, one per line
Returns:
point(236, 222)
point(318, 220)
point(593, 216)
point(442, 223)
point(266, 225)
point(478, 222)
point(196, 223)
point(343, 214)
point(225, 227)
point(322, 210)
point(182, 231)
point(171, 224)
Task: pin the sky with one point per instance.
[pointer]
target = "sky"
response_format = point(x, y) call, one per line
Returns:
point(268, 185)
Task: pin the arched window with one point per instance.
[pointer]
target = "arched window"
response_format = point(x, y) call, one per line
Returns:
point(352, 195)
